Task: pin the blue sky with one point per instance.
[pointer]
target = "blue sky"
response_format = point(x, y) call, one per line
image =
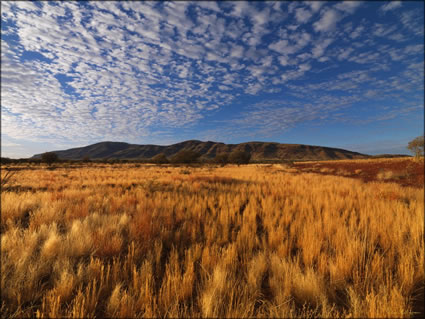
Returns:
point(340, 74)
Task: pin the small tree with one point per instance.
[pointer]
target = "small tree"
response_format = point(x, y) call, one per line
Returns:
point(222, 159)
point(5, 160)
point(86, 159)
point(239, 157)
point(185, 157)
point(160, 158)
point(49, 158)
point(416, 146)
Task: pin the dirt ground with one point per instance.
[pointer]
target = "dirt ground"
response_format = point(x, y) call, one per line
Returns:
point(403, 171)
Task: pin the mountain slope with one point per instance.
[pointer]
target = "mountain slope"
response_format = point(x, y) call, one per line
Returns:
point(258, 150)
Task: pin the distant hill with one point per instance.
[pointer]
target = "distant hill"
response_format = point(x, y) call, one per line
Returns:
point(260, 151)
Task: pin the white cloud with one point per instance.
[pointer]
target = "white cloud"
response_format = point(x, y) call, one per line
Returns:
point(345, 53)
point(390, 6)
point(237, 51)
point(283, 60)
point(413, 22)
point(253, 89)
point(9, 144)
point(224, 87)
point(320, 47)
point(262, 17)
point(382, 30)
point(241, 8)
point(285, 47)
point(279, 46)
point(270, 117)
point(304, 67)
point(357, 32)
point(366, 57)
point(414, 48)
point(399, 37)
point(302, 15)
point(327, 21)
point(348, 6)
point(315, 5)
point(209, 5)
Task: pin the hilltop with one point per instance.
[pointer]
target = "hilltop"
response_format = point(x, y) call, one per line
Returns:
point(258, 150)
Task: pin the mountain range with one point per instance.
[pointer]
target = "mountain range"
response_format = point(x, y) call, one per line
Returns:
point(259, 151)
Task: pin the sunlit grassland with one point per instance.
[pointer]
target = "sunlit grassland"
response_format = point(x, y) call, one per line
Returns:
point(248, 241)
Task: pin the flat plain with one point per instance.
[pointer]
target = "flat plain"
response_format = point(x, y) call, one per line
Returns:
point(315, 239)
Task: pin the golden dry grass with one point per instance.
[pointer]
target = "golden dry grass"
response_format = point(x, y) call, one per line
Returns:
point(248, 241)
point(365, 160)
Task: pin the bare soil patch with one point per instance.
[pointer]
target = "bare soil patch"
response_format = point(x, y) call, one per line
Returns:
point(404, 171)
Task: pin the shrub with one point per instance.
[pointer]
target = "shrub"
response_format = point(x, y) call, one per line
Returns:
point(5, 160)
point(49, 158)
point(222, 158)
point(386, 175)
point(239, 157)
point(185, 157)
point(159, 159)
point(288, 163)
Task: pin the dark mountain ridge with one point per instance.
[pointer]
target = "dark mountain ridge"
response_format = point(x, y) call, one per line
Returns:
point(258, 150)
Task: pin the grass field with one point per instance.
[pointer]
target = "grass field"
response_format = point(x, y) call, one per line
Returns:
point(251, 241)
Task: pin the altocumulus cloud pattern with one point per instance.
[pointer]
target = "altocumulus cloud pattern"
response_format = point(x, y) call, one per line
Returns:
point(80, 72)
